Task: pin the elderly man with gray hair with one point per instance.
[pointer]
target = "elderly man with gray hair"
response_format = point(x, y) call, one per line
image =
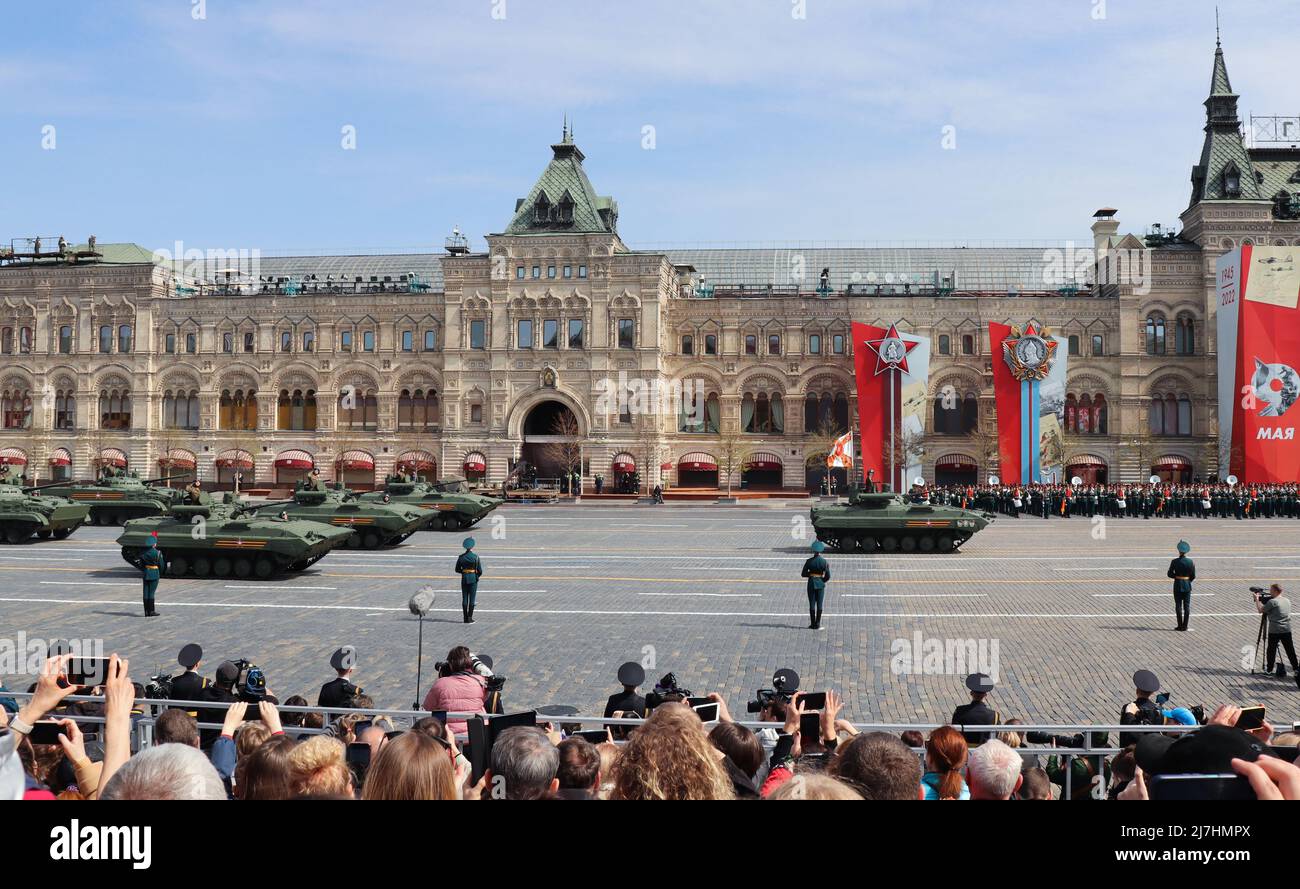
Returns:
point(525, 765)
point(167, 771)
point(993, 771)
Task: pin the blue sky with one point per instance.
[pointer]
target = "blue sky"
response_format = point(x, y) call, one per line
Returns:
point(225, 131)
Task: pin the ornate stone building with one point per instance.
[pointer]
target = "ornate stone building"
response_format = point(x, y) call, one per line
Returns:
point(465, 363)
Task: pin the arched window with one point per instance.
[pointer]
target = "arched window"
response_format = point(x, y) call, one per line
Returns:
point(1071, 413)
point(368, 341)
point(710, 344)
point(309, 341)
point(296, 410)
point(1184, 415)
point(1155, 334)
point(65, 339)
point(947, 413)
point(968, 345)
point(358, 409)
point(105, 339)
point(688, 344)
point(1185, 335)
point(286, 340)
point(16, 406)
point(114, 409)
point(1156, 416)
point(841, 413)
point(1074, 344)
point(970, 414)
point(945, 344)
point(65, 410)
point(7, 340)
point(1171, 415)
point(1085, 414)
point(1099, 412)
point(124, 337)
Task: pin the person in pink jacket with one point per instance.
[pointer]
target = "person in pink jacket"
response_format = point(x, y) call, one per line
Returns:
point(460, 688)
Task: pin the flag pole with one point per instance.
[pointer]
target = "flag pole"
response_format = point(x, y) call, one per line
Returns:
point(893, 469)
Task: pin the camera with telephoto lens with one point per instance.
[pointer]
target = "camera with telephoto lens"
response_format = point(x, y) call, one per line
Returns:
point(785, 683)
point(1256, 592)
point(667, 691)
point(251, 682)
point(159, 687)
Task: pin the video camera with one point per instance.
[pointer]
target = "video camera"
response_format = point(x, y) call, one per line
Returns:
point(159, 687)
point(251, 682)
point(785, 682)
point(667, 691)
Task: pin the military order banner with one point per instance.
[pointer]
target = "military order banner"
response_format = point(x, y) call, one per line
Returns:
point(893, 372)
point(1258, 329)
point(1029, 388)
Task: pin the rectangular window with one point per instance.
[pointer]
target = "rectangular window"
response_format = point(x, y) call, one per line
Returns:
point(537, 271)
point(575, 334)
point(286, 341)
point(751, 344)
point(774, 345)
point(525, 338)
point(476, 413)
point(710, 344)
point(123, 338)
point(431, 341)
point(105, 340)
point(345, 340)
point(626, 333)
point(1098, 346)
point(815, 344)
point(582, 271)
point(968, 345)
point(550, 334)
point(550, 271)
point(248, 342)
point(228, 343)
point(568, 271)
point(65, 340)
point(191, 343)
point(408, 341)
point(519, 273)
point(169, 344)
point(476, 331)
point(368, 341)
point(837, 343)
point(309, 341)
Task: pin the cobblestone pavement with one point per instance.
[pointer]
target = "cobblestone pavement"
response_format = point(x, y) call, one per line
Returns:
point(713, 594)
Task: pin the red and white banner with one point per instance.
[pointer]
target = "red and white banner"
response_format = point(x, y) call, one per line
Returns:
point(841, 455)
point(892, 371)
point(1259, 353)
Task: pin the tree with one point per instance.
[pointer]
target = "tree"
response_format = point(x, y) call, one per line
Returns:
point(566, 450)
point(733, 450)
point(649, 445)
point(984, 441)
point(908, 448)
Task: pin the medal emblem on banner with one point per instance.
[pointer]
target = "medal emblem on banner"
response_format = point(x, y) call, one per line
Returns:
point(1029, 354)
point(891, 351)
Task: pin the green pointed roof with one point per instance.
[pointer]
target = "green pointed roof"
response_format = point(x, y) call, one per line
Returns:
point(564, 182)
point(1224, 151)
point(1219, 83)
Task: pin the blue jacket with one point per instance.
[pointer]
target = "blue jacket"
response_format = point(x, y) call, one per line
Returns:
point(469, 568)
point(818, 572)
point(930, 783)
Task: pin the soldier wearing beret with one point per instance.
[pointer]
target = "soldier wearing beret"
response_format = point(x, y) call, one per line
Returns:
point(340, 691)
point(470, 569)
point(976, 712)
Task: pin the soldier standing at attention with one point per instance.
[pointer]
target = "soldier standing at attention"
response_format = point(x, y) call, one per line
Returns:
point(470, 570)
point(151, 562)
point(818, 572)
point(977, 712)
point(1183, 572)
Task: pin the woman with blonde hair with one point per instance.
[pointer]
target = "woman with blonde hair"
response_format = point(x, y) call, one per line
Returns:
point(414, 765)
point(319, 767)
point(814, 785)
point(670, 757)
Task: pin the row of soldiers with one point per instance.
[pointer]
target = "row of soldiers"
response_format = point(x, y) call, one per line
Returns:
point(1145, 501)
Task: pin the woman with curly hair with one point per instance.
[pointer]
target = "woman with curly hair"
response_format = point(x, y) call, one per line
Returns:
point(670, 757)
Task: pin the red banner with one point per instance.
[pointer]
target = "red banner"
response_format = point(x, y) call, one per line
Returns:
point(873, 406)
point(1007, 394)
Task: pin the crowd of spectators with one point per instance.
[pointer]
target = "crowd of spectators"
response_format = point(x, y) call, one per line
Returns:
point(796, 753)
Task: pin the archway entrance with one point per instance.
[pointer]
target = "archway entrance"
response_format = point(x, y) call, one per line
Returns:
point(552, 440)
point(1173, 469)
point(697, 470)
point(761, 471)
point(956, 469)
point(1092, 469)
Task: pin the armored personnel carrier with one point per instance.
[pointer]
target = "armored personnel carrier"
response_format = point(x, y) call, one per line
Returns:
point(119, 496)
point(227, 538)
point(24, 512)
point(374, 524)
point(874, 522)
point(447, 505)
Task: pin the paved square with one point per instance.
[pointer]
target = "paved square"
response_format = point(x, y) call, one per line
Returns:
point(713, 594)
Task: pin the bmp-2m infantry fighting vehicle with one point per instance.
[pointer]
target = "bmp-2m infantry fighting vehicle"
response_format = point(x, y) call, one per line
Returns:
point(447, 504)
point(119, 496)
point(871, 522)
point(227, 538)
point(23, 512)
point(374, 524)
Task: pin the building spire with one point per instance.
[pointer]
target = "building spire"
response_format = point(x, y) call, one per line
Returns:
point(1219, 83)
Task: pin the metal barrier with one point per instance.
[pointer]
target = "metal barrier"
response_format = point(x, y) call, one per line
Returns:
point(149, 708)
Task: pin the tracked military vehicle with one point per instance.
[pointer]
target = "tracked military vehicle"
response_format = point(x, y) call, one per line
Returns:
point(374, 524)
point(24, 512)
point(119, 496)
point(447, 504)
point(874, 522)
point(228, 538)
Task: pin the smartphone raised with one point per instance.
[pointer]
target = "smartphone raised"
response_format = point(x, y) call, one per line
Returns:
point(1200, 787)
point(1250, 718)
point(47, 731)
point(707, 712)
point(594, 736)
point(813, 700)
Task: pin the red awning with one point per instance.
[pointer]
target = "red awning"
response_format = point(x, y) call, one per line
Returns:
point(1085, 460)
point(13, 457)
point(294, 460)
point(963, 460)
point(179, 458)
point(624, 462)
point(697, 462)
point(420, 461)
point(356, 460)
point(60, 457)
point(475, 462)
point(235, 460)
point(666, 467)
point(763, 462)
point(1172, 461)
point(112, 457)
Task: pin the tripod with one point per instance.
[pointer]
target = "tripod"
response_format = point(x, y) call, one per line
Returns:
point(1258, 657)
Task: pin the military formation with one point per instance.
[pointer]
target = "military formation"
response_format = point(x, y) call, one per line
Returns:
point(1134, 501)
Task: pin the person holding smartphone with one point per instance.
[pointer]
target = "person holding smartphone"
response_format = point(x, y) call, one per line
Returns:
point(1276, 609)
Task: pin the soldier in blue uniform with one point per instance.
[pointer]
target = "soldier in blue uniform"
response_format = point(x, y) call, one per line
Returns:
point(1183, 572)
point(818, 572)
point(470, 569)
point(151, 564)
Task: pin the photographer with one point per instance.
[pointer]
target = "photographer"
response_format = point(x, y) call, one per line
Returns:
point(1276, 609)
point(461, 687)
